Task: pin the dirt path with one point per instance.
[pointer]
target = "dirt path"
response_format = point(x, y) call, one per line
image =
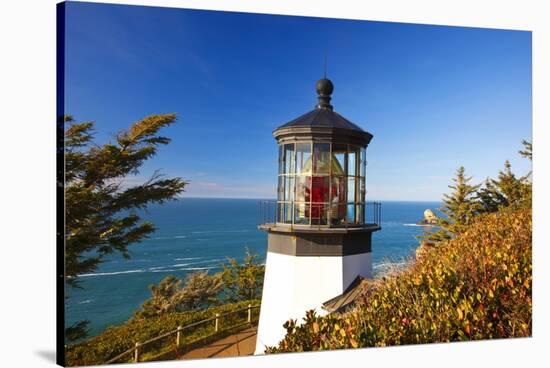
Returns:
point(242, 343)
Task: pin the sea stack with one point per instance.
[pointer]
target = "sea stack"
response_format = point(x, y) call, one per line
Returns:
point(429, 217)
point(319, 242)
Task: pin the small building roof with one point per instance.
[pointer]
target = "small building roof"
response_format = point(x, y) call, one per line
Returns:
point(348, 297)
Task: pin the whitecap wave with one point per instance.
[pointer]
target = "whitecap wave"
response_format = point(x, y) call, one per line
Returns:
point(220, 231)
point(165, 270)
point(169, 237)
point(186, 258)
point(85, 301)
point(109, 273)
point(197, 268)
point(383, 265)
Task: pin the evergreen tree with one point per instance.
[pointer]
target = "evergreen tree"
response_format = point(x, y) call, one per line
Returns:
point(100, 211)
point(490, 198)
point(527, 189)
point(507, 190)
point(200, 291)
point(243, 281)
point(527, 150)
point(163, 298)
point(459, 207)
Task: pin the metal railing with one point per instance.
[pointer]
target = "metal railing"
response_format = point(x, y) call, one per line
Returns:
point(139, 347)
point(376, 212)
point(268, 213)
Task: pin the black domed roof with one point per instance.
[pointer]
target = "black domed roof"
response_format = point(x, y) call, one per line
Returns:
point(324, 118)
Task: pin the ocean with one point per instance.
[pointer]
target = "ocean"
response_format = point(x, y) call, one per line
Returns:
point(199, 234)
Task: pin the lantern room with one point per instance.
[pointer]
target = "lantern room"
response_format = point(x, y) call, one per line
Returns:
point(322, 166)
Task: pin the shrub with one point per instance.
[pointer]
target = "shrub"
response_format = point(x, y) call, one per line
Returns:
point(476, 286)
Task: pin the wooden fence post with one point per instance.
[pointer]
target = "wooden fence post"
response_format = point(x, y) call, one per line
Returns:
point(136, 353)
point(249, 313)
point(178, 337)
point(217, 325)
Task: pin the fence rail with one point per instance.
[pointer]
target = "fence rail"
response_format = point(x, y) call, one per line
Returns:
point(139, 346)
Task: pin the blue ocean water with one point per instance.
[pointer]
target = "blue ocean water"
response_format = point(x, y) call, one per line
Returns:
point(199, 234)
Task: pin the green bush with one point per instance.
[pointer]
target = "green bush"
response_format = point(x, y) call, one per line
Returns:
point(116, 340)
point(476, 286)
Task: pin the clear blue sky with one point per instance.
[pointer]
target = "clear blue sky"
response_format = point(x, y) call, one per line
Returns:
point(434, 97)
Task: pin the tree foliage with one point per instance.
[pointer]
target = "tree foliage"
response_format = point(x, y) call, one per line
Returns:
point(100, 211)
point(237, 282)
point(77, 330)
point(163, 298)
point(200, 291)
point(527, 151)
point(467, 201)
point(506, 190)
point(459, 207)
point(243, 281)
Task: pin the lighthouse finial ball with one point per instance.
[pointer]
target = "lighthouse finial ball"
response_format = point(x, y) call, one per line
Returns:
point(324, 87)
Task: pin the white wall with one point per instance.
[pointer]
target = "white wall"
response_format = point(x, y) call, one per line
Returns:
point(293, 285)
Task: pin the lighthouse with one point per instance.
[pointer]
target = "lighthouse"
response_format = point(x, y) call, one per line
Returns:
point(319, 238)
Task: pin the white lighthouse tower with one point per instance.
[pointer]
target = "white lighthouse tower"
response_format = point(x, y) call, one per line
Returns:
point(319, 241)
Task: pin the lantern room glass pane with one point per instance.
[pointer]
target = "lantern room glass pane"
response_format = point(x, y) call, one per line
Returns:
point(281, 188)
point(287, 213)
point(303, 158)
point(319, 213)
point(338, 199)
point(281, 160)
point(280, 212)
point(301, 213)
point(351, 214)
point(289, 159)
point(319, 189)
point(362, 189)
point(363, 165)
point(289, 188)
point(339, 152)
point(338, 214)
point(284, 212)
point(360, 213)
point(321, 158)
point(303, 191)
point(351, 189)
point(352, 161)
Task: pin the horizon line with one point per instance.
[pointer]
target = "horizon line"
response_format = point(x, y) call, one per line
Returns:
point(275, 199)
